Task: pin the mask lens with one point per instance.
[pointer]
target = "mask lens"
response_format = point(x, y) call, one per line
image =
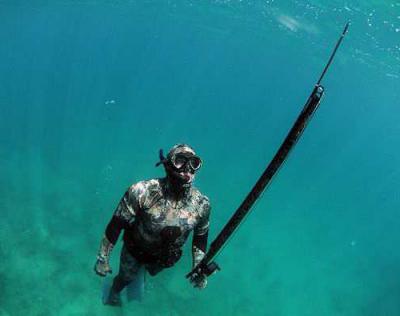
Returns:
point(195, 162)
point(180, 161)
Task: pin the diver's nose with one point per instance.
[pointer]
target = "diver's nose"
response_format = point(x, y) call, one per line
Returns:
point(188, 168)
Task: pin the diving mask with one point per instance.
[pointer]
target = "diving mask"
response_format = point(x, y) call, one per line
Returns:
point(180, 160)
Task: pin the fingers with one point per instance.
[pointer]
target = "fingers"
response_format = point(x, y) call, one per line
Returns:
point(199, 286)
point(199, 282)
point(101, 270)
point(101, 273)
point(202, 284)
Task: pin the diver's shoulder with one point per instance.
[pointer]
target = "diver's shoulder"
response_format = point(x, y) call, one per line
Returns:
point(200, 197)
point(145, 185)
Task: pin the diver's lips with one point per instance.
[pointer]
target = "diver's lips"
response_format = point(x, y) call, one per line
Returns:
point(187, 176)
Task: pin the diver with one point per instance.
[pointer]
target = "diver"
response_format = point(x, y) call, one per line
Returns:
point(157, 217)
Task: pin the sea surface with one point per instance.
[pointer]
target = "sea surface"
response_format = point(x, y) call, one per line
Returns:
point(90, 90)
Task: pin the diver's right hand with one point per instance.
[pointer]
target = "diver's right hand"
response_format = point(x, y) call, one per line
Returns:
point(102, 267)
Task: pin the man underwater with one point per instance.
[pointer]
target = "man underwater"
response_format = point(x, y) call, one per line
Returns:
point(157, 217)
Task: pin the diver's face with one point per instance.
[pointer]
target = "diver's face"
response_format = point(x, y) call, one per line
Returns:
point(184, 165)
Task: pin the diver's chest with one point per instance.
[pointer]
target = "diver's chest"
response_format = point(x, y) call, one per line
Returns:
point(166, 213)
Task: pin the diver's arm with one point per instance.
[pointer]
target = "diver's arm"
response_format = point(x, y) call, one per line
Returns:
point(113, 230)
point(107, 243)
point(200, 234)
point(102, 266)
point(199, 247)
point(123, 215)
point(199, 244)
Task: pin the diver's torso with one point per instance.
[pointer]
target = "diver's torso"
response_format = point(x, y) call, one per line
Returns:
point(159, 213)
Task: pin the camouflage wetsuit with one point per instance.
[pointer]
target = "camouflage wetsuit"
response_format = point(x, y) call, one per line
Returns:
point(156, 225)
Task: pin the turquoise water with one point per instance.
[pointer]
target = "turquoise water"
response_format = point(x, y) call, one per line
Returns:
point(90, 90)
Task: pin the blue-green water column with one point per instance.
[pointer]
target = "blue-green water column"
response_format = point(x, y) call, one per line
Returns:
point(90, 90)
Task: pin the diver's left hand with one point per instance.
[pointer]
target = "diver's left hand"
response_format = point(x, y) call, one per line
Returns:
point(199, 281)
